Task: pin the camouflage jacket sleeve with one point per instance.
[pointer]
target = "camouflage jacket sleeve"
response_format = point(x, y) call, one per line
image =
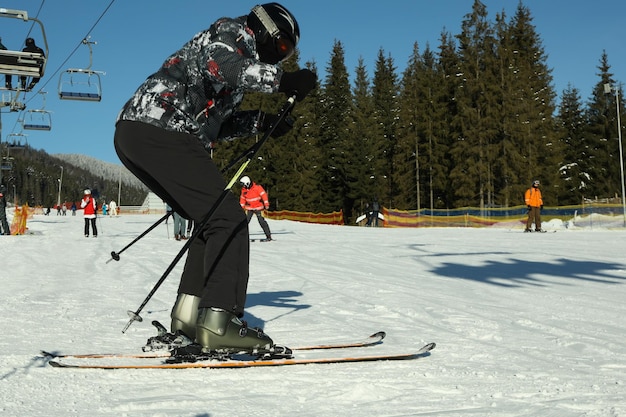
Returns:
point(200, 87)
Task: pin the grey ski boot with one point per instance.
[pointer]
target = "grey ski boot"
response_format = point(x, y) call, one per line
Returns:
point(218, 330)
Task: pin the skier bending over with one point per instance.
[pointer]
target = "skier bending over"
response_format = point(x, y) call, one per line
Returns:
point(163, 135)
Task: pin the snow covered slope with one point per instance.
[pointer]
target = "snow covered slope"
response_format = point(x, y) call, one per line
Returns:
point(525, 324)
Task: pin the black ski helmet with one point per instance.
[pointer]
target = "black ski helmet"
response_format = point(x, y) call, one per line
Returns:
point(276, 31)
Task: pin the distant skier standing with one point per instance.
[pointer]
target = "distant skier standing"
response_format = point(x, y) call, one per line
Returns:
point(254, 200)
point(373, 216)
point(534, 201)
point(4, 224)
point(88, 204)
point(164, 134)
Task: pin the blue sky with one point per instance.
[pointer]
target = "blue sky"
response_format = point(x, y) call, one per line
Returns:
point(134, 37)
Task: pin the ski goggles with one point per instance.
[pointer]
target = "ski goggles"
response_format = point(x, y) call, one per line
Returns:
point(284, 46)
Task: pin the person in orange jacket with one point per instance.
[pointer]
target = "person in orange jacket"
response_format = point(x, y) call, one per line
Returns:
point(534, 201)
point(254, 200)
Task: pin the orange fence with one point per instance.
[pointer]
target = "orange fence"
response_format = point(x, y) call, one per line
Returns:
point(335, 217)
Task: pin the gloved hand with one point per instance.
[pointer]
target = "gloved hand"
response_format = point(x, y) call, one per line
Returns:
point(528, 208)
point(541, 208)
point(299, 82)
point(281, 129)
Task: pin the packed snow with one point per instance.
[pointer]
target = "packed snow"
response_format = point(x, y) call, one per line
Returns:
point(526, 324)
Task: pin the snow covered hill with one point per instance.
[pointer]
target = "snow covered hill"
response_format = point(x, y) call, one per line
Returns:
point(525, 324)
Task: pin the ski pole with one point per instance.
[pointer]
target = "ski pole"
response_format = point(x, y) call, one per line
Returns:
point(116, 255)
point(282, 114)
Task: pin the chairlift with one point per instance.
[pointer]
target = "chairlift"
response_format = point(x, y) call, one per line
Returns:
point(38, 119)
point(27, 64)
point(7, 163)
point(81, 83)
point(16, 141)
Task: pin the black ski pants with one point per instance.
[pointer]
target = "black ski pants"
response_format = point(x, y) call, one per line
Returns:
point(94, 229)
point(177, 168)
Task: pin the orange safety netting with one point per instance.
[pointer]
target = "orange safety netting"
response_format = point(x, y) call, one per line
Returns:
point(335, 217)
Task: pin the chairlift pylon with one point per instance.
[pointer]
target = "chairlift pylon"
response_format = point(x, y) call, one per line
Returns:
point(81, 83)
point(27, 64)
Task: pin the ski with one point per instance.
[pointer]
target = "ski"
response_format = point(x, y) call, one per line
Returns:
point(244, 363)
point(372, 340)
point(261, 240)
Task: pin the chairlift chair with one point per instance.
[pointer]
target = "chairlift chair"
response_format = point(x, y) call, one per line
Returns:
point(38, 119)
point(27, 64)
point(81, 83)
point(16, 141)
point(6, 164)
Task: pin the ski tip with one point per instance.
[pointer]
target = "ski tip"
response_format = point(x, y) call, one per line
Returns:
point(378, 335)
point(428, 347)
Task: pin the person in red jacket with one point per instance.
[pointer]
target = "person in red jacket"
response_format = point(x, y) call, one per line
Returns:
point(254, 200)
point(88, 204)
point(534, 201)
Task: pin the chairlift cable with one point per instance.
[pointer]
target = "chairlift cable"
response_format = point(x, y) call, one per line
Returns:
point(62, 65)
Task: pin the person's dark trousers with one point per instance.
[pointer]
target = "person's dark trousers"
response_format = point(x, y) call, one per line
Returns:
point(534, 216)
point(262, 222)
point(177, 168)
point(94, 229)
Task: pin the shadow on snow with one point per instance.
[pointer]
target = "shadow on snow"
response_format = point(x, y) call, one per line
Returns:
point(517, 273)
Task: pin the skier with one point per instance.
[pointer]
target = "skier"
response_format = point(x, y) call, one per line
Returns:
point(253, 199)
point(113, 208)
point(180, 224)
point(534, 202)
point(374, 214)
point(163, 135)
point(88, 204)
point(30, 47)
point(4, 224)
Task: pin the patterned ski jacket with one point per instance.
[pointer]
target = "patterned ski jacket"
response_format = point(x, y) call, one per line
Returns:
point(254, 198)
point(200, 87)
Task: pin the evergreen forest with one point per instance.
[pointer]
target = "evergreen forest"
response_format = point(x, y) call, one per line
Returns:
point(470, 123)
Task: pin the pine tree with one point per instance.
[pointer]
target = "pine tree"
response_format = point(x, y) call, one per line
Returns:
point(364, 131)
point(574, 166)
point(603, 136)
point(333, 132)
point(473, 152)
point(413, 122)
point(449, 78)
point(529, 143)
point(385, 97)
